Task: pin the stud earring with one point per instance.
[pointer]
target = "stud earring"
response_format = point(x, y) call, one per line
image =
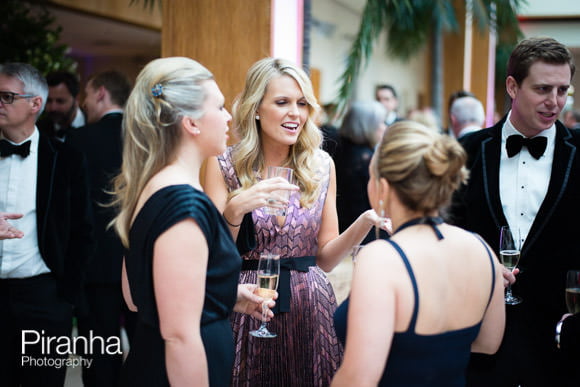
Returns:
point(258, 117)
point(196, 131)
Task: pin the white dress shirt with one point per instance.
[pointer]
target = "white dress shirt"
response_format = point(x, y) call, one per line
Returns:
point(468, 129)
point(79, 119)
point(523, 181)
point(20, 258)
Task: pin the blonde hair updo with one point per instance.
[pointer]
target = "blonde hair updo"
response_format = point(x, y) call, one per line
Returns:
point(422, 166)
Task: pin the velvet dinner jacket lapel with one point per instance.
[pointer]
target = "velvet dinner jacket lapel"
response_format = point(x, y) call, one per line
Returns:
point(47, 157)
point(490, 157)
point(564, 153)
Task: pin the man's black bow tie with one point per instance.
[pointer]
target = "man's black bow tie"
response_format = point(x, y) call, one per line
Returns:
point(7, 149)
point(536, 145)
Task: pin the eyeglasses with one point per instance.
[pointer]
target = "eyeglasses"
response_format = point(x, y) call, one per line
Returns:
point(7, 97)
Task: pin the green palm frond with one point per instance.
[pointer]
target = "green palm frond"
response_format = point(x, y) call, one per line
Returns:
point(410, 23)
point(361, 50)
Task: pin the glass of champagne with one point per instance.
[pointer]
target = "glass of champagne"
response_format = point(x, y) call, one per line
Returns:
point(573, 291)
point(509, 252)
point(268, 273)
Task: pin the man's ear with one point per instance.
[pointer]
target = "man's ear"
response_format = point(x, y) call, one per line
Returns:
point(453, 120)
point(511, 86)
point(101, 93)
point(36, 104)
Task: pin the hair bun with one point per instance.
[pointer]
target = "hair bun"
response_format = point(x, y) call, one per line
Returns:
point(445, 158)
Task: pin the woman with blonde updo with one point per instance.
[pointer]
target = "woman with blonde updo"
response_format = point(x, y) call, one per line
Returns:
point(181, 270)
point(421, 301)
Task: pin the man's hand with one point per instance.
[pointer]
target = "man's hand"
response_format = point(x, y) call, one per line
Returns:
point(7, 231)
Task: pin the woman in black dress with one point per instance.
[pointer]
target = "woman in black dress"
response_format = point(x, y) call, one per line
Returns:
point(181, 268)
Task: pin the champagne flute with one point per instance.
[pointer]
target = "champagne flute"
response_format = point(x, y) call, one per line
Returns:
point(573, 291)
point(509, 252)
point(268, 273)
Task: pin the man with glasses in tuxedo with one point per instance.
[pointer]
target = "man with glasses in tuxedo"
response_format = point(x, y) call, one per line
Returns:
point(40, 273)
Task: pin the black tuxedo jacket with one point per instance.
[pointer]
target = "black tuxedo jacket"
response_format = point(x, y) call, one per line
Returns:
point(63, 214)
point(101, 144)
point(552, 246)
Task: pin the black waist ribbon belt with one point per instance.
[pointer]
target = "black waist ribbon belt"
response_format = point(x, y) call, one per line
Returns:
point(301, 264)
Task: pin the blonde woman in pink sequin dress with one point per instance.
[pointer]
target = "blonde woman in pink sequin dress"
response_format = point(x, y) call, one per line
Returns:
point(274, 121)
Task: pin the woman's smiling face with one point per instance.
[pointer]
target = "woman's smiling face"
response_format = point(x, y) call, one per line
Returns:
point(283, 111)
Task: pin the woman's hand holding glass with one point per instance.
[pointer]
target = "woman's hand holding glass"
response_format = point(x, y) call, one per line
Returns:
point(248, 302)
point(277, 202)
point(261, 194)
point(268, 274)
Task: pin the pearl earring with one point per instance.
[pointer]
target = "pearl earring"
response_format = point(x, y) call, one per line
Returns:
point(196, 131)
point(258, 117)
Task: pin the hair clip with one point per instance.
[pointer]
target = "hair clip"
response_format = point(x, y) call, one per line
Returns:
point(157, 90)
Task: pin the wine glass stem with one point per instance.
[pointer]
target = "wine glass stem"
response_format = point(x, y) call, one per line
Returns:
point(264, 312)
point(509, 291)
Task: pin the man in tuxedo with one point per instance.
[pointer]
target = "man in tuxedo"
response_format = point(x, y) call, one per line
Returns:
point(100, 142)
point(40, 273)
point(62, 112)
point(525, 173)
point(387, 95)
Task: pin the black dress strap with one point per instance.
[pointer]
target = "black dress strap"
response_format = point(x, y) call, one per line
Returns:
point(432, 221)
point(492, 266)
point(413, 282)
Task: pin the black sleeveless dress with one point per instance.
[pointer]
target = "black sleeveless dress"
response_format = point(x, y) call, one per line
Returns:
point(145, 364)
point(422, 360)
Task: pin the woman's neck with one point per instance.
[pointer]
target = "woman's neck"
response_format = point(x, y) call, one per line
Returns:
point(187, 165)
point(274, 153)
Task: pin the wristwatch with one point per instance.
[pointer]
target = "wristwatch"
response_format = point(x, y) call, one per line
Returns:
point(558, 331)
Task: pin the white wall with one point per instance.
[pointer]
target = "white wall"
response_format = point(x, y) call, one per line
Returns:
point(551, 8)
point(331, 39)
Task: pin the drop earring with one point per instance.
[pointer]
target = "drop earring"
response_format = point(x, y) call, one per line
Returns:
point(384, 222)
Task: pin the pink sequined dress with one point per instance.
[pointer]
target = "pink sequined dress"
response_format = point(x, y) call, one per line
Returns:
point(306, 351)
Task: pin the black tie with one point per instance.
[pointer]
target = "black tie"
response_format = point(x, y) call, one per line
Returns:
point(7, 149)
point(536, 145)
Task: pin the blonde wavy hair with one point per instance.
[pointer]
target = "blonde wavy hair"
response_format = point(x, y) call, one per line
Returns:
point(151, 128)
point(247, 154)
point(422, 166)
